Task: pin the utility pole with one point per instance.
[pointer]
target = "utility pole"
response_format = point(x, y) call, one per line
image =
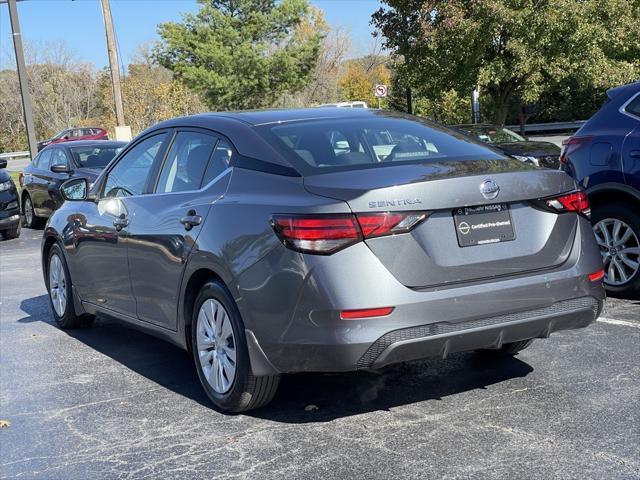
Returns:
point(115, 71)
point(22, 78)
point(475, 105)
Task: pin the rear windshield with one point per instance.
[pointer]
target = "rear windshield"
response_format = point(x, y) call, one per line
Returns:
point(94, 156)
point(320, 146)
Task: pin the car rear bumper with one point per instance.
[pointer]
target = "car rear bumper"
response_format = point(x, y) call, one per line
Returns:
point(292, 309)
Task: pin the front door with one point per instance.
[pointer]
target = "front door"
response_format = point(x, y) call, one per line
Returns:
point(101, 267)
point(165, 225)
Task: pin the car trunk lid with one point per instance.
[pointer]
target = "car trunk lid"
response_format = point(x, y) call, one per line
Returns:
point(433, 253)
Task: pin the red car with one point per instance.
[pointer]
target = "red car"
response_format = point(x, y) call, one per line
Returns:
point(72, 134)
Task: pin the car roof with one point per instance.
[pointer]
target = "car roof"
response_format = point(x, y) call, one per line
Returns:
point(264, 117)
point(629, 87)
point(90, 143)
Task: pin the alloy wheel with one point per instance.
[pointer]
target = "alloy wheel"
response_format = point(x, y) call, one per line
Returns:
point(620, 250)
point(216, 346)
point(57, 285)
point(28, 211)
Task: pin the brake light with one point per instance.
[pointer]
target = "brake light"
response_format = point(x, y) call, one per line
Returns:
point(326, 234)
point(365, 313)
point(571, 145)
point(380, 224)
point(572, 202)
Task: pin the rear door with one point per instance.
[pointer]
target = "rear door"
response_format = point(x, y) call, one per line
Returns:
point(631, 146)
point(164, 225)
point(36, 181)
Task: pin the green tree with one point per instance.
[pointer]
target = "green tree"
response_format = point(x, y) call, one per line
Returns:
point(514, 49)
point(241, 53)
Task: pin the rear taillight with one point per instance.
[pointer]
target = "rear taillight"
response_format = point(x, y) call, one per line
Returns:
point(571, 202)
point(571, 145)
point(326, 234)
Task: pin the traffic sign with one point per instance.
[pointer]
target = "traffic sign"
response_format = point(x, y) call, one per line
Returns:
point(381, 91)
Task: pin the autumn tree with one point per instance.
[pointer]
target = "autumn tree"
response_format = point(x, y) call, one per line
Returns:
point(240, 53)
point(514, 49)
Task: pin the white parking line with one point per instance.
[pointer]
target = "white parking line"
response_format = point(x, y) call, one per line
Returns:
point(623, 323)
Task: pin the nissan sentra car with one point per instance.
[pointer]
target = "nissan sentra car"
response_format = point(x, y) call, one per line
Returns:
point(321, 240)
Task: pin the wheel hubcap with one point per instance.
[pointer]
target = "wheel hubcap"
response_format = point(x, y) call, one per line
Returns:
point(620, 250)
point(28, 211)
point(57, 285)
point(216, 346)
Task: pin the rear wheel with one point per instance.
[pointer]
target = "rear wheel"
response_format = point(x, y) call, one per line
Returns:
point(11, 233)
point(60, 294)
point(30, 218)
point(507, 350)
point(220, 353)
point(617, 231)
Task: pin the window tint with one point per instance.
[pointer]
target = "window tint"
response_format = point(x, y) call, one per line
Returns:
point(186, 162)
point(634, 106)
point(42, 160)
point(58, 157)
point(219, 162)
point(369, 142)
point(94, 157)
point(130, 174)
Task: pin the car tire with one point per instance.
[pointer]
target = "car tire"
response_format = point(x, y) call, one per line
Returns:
point(58, 283)
point(30, 218)
point(607, 215)
point(12, 232)
point(217, 336)
point(507, 349)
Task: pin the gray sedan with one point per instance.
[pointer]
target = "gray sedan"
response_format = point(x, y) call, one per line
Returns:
point(321, 240)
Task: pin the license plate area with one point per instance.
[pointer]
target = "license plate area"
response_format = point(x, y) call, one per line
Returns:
point(483, 224)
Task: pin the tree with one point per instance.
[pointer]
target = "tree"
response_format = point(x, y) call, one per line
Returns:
point(240, 53)
point(513, 49)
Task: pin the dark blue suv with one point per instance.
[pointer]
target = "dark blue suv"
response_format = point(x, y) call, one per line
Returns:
point(604, 156)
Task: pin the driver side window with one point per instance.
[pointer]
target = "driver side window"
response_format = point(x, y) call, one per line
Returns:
point(130, 174)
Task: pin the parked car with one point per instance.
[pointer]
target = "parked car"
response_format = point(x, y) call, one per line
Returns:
point(54, 165)
point(540, 154)
point(73, 134)
point(264, 248)
point(9, 205)
point(604, 156)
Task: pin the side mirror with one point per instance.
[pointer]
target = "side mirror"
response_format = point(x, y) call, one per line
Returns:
point(66, 137)
point(75, 189)
point(60, 168)
point(3, 163)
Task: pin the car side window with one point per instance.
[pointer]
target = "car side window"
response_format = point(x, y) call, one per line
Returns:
point(219, 162)
point(58, 157)
point(186, 162)
point(42, 160)
point(634, 107)
point(129, 176)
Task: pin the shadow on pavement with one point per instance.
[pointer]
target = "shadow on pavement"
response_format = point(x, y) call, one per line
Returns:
point(335, 395)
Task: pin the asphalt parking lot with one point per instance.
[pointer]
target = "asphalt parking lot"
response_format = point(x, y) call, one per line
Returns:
point(109, 402)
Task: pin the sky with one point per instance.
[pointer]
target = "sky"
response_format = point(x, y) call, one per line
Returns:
point(79, 24)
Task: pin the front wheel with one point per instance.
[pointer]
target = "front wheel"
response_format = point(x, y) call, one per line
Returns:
point(60, 293)
point(30, 218)
point(617, 231)
point(220, 354)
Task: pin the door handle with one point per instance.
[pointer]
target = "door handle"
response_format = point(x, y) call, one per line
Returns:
point(191, 220)
point(120, 222)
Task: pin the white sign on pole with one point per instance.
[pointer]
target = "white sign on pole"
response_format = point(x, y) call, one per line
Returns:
point(381, 91)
